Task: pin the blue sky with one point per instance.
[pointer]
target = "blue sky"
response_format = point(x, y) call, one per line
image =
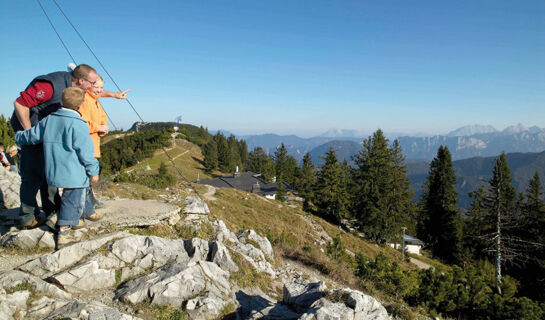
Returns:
point(295, 67)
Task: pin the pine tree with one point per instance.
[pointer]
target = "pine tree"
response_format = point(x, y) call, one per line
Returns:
point(382, 203)
point(440, 217)
point(280, 161)
point(500, 203)
point(330, 195)
point(280, 191)
point(210, 153)
point(307, 181)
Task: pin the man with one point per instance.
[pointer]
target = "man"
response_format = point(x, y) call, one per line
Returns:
point(42, 97)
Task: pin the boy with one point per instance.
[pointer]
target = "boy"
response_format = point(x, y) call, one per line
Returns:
point(68, 151)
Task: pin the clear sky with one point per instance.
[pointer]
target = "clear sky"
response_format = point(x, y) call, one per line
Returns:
point(295, 67)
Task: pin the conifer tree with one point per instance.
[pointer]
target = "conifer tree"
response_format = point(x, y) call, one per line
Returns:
point(500, 203)
point(280, 191)
point(280, 161)
point(441, 225)
point(382, 203)
point(330, 195)
point(307, 181)
point(210, 153)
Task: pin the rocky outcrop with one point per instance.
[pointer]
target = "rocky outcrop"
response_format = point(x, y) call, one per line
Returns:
point(28, 239)
point(10, 183)
point(195, 205)
point(194, 274)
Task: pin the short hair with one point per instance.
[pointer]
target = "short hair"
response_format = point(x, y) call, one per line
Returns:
point(99, 77)
point(82, 71)
point(1, 145)
point(72, 98)
point(11, 148)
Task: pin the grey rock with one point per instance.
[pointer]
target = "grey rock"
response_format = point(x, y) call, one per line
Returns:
point(11, 278)
point(364, 306)
point(259, 307)
point(197, 249)
point(85, 277)
point(195, 205)
point(147, 252)
point(254, 256)
point(25, 239)
point(301, 294)
point(324, 309)
point(263, 242)
point(221, 256)
point(47, 241)
point(88, 311)
point(206, 306)
point(223, 234)
point(54, 262)
point(175, 283)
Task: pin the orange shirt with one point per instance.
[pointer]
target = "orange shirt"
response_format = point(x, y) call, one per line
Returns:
point(92, 112)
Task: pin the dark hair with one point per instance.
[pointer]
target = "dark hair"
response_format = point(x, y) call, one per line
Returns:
point(82, 71)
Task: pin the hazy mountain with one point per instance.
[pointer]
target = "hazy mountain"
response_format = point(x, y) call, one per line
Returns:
point(475, 172)
point(343, 148)
point(297, 147)
point(342, 133)
point(471, 130)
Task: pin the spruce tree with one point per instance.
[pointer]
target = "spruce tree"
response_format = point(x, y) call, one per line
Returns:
point(280, 161)
point(330, 195)
point(382, 201)
point(210, 153)
point(440, 217)
point(307, 181)
point(500, 204)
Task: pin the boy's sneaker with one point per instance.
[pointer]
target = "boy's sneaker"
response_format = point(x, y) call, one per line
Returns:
point(80, 225)
point(64, 238)
point(95, 216)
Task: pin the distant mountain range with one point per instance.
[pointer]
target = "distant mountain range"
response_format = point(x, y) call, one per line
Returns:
point(475, 172)
point(465, 142)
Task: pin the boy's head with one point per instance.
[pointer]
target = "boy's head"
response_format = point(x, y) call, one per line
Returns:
point(72, 98)
point(1, 147)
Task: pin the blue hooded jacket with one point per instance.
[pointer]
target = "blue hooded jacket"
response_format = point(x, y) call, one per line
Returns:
point(68, 148)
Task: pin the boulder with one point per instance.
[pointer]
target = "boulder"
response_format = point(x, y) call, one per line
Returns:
point(28, 239)
point(195, 205)
point(325, 309)
point(149, 251)
point(260, 307)
point(301, 294)
point(221, 256)
point(55, 262)
point(262, 242)
point(85, 277)
point(176, 283)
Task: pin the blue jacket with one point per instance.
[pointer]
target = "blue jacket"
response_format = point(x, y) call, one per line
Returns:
point(68, 148)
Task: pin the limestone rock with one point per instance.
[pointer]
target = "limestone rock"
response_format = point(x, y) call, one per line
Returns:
point(54, 262)
point(176, 282)
point(85, 277)
point(258, 307)
point(263, 242)
point(197, 249)
point(324, 309)
point(221, 256)
point(195, 205)
point(11, 278)
point(27, 239)
point(301, 294)
point(222, 233)
point(149, 251)
point(10, 184)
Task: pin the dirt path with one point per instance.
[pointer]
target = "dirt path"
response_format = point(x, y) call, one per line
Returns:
point(209, 195)
point(420, 264)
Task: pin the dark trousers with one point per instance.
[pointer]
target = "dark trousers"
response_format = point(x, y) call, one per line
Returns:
point(32, 166)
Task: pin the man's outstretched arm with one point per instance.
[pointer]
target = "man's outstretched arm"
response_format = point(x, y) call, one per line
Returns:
point(117, 95)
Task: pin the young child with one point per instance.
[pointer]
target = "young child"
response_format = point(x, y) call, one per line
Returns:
point(91, 111)
point(69, 161)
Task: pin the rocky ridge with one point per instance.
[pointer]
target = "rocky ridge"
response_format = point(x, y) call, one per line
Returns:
point(119, 274)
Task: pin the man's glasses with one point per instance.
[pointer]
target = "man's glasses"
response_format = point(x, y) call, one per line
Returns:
point(91, 82)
